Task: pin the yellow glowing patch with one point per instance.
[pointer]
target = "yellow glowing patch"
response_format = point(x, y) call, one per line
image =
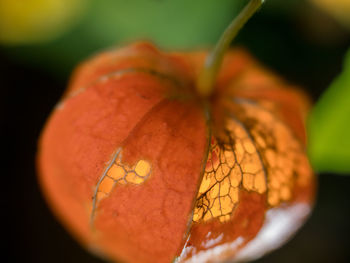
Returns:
point(142, 168)
point(120, 173)
point(106, 185)
point(258, 153)
point(229, 166)
point(116, 172)
point(283, 155)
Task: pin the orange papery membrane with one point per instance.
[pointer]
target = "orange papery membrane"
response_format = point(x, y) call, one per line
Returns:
point(140, 168)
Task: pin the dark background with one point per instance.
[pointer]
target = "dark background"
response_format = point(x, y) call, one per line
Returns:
point(293, 47)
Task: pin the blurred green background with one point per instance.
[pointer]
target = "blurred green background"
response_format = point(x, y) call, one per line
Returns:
point(41, 41)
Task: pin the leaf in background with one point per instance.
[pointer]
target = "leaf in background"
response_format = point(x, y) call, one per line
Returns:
point(170, 23)
point(175, 24)
point(329, 126)
point(35, 21)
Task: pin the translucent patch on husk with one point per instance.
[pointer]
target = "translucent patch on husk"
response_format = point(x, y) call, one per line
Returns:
point(232, 163)
point(118, 172)
point(258, 153)
point(282, 153)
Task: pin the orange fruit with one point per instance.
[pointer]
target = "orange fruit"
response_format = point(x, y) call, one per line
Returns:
point(140, 168)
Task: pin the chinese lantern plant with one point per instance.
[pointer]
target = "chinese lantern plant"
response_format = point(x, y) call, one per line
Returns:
point(156, 157)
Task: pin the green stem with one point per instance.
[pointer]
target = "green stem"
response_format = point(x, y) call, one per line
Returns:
point(207, 77)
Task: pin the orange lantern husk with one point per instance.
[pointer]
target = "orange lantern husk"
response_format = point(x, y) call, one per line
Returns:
point(139, 168)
